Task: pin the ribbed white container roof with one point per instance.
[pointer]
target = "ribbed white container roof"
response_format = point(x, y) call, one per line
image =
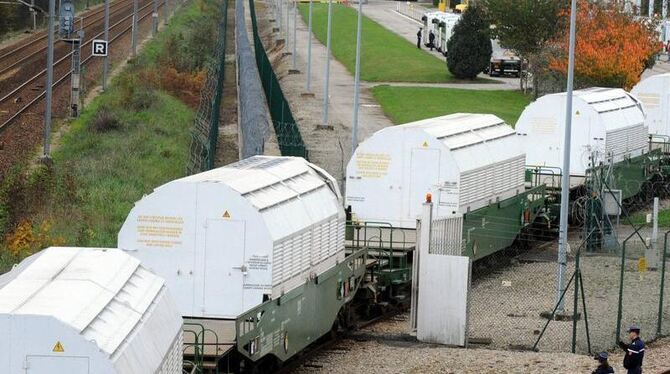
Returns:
point(290, 193)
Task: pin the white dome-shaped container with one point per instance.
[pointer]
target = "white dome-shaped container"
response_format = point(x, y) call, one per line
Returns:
point(87, 311)
point(607, 123)
point(230, 238)
point(465, 161)
point(654, 93)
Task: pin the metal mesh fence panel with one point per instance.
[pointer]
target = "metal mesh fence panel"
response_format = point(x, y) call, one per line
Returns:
point(254, 122)
point(510, 304)
point(205, 131)
point(288, 134)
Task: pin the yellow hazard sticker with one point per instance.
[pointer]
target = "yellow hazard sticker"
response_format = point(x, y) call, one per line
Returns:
point(226, 214)
point(642, 265)
point(58, 347)
point(425, 144)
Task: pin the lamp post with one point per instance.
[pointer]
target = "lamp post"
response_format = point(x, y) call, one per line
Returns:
point(357, 80)
point(326, 86)
point(565, 177)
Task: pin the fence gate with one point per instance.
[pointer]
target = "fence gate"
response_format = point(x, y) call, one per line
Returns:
point(443, 281)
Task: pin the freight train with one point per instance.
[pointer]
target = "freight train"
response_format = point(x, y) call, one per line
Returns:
point(254, 255)
point(262, 259)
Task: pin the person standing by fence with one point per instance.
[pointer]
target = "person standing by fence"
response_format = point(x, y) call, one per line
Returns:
point(431, 40)
point(634, 352)
point(603, 366)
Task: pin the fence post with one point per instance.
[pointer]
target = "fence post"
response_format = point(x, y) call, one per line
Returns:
point(660, 298)
point(576, 303)
point(620, 305)
point(218, 93)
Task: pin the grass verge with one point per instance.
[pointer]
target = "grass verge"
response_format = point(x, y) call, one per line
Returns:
point(128, 141)
point(385, 56)
point(640, 218)
point(407, 104)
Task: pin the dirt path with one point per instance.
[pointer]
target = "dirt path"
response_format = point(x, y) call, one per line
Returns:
point(227, 150)
point(330, 149)
point(388, 355)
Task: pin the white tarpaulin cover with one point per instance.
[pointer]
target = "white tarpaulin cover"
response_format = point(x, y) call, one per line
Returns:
point(228, 238)
point(607, 123)
point(84, 310)
point(464, 160)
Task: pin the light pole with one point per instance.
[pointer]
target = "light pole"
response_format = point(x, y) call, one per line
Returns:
point(357, 79)
point(325, 94)
point(105, 63)
point(50, 73)
point(309, 49)
point(288, 30)
point(154, 19)
point(133, 43)
point(565, 177)
point(295, 27)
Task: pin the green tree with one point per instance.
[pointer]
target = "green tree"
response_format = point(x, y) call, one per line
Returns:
point(469, 49)
point(525, 26)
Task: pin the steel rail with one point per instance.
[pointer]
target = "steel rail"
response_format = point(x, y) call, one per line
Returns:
point(41, 50)
point(6, 123)
point(93, 12)
point(63, 59)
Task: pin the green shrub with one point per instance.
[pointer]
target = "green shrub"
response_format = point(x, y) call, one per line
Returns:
point(469, 48)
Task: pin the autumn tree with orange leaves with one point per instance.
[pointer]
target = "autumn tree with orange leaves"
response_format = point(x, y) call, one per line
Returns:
point(612, 48)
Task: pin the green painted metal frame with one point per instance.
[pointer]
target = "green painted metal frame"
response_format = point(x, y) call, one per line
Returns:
point(286, 325)
point(495, 227)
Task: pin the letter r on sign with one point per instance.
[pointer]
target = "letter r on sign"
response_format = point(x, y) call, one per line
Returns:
point(99, 48)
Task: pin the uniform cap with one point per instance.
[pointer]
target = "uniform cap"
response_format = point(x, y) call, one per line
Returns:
point(634, 327)
point(602, 356)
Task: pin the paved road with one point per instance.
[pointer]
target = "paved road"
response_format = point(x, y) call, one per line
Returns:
point(384, 12)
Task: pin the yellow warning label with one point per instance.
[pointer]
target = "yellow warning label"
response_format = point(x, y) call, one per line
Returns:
point(425, 144)
point(642, 265)
point(58, 347)
point(226, 214)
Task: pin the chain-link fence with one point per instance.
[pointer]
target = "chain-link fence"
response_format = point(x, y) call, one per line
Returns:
point(205, 132)
point(616, 276)
point(288, 134)
point(254, 120)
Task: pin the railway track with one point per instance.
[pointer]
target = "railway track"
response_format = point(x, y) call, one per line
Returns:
point(12, 56)
point(309, 356)
point(24, 96)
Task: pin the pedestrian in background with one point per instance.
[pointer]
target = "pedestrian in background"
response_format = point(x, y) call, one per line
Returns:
point(418, 38)
point(603, 366)
point(632, 360)
point(431, 40)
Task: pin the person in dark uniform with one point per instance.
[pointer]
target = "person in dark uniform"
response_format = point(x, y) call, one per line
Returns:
point(632, 361)
point(603, 366)
point(431, 40)
point(418, 38)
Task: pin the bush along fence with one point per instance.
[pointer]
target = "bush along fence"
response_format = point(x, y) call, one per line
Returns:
point(205, 132)
point(288, 134)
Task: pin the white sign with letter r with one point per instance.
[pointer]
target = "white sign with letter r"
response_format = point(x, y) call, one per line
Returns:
point(99, 48)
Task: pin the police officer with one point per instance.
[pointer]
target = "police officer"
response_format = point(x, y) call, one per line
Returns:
point(632, 360)
point(418, 38)
point(431, 40)
point(603, 366)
